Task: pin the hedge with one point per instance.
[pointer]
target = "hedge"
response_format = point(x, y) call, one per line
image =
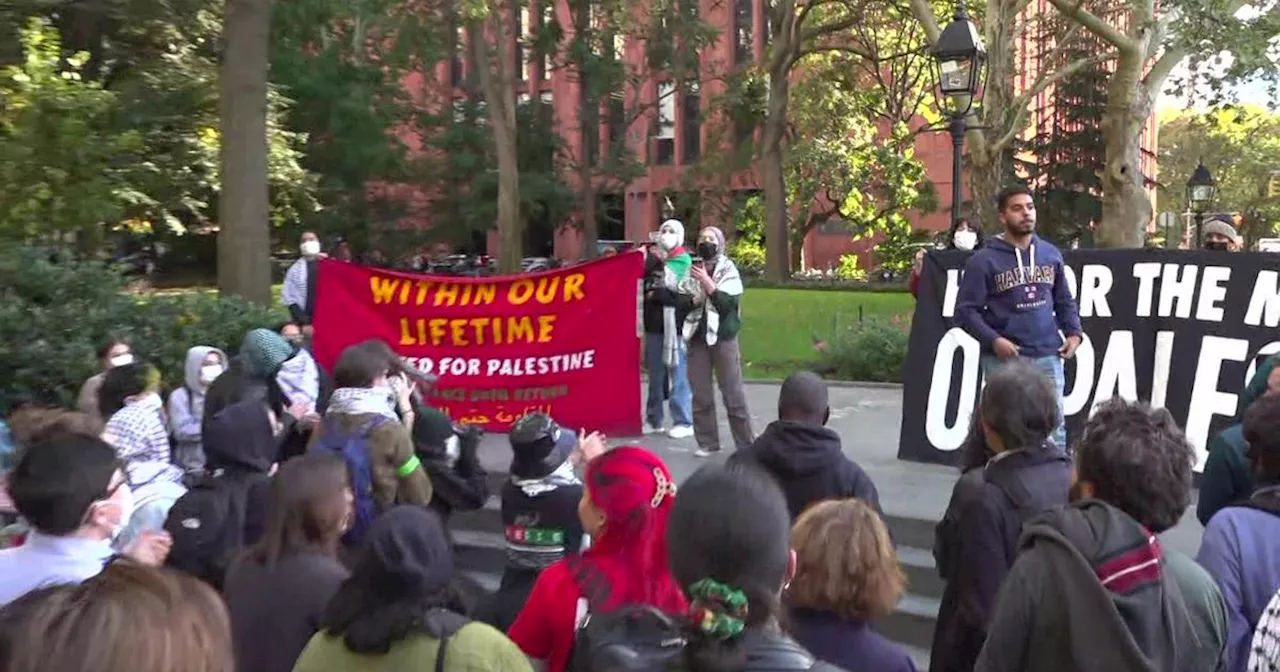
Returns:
point(56, 311)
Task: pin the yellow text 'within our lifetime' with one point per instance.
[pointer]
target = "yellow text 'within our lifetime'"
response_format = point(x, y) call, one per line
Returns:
point(545, 291)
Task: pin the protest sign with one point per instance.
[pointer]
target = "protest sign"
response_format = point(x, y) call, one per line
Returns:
point(1181, 329)
point(563, 341)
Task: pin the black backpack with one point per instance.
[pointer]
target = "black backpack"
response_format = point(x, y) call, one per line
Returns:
point(631, 638)
point(207, 527)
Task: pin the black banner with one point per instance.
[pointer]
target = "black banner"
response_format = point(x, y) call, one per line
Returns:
point(1181, 329)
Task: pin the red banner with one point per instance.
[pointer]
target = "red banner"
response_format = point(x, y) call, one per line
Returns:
point(563, 341)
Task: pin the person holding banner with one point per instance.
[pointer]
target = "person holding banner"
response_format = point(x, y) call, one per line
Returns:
point(665, 308)
point(299, 291)
point(1015, 301)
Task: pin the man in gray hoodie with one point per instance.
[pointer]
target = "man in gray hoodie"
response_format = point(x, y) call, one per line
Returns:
point(1093, 589)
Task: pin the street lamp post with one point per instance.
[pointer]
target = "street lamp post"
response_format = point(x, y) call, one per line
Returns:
point(960, 57)
point(1201, 189)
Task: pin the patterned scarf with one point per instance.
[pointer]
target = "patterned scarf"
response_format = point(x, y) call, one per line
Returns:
point(675, 276)
point(725, 276)
point(363, 400)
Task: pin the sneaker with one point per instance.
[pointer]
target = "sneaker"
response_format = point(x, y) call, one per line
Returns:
point(707, 452)
point(680, 432)
point(652, 429)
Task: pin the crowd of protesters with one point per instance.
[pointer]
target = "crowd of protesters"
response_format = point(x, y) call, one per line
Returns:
point(271, 515)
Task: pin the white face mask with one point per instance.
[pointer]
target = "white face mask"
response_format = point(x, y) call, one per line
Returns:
point(310, 248)
point(124, 500)
point(210, 373)
point(669, 240)
point(121, 359)
point(965, 240)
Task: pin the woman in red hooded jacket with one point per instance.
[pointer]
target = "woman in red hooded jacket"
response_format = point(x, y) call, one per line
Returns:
point(625, 503)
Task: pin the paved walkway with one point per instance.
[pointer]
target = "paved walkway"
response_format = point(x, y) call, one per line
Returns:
point(868, 420)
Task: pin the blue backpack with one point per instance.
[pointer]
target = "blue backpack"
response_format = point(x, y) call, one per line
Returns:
point(354, 447)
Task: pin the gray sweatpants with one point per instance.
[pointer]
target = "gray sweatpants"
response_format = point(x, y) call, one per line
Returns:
point(725, 360)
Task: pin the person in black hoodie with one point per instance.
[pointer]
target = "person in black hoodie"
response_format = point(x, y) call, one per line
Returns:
point(448, 454)
point(1093, 588)
point(802, 454)
point(1027, 474)
point(225, 509)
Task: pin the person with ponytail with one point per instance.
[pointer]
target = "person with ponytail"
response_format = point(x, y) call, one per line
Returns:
point(729, 547)
point(628, 495)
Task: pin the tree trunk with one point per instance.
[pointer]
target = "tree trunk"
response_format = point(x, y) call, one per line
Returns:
point(1126, 210)
point(796, 238)
point(500, 101)
point(244, 247)
point(986, 178)
point(777, 257)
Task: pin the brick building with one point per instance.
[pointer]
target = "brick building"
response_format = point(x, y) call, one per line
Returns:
point(673, 138)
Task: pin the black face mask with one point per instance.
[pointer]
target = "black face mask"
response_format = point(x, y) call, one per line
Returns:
point(707, 250)
point(1217, 245)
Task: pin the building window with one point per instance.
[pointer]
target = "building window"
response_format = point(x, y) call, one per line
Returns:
point(743, 32)
point(455, 63)
point(617, 120)
point(665, 131)
point(591, 133)
point(522, 41)
point(691, 123)
point(545, 23)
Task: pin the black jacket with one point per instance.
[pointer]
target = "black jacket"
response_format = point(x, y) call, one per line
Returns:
point(653, 271)
point(770, 651)
point(977, 540)
point(809, 465)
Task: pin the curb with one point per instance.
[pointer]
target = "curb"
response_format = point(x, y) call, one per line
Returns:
point(863, 384)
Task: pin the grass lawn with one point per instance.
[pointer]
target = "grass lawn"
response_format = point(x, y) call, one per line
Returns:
point(779, 325)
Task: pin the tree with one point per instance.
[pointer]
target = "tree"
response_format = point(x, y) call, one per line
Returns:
point(55, 120)
point(244, 247)
point(1241, 145)
point(834, 98)
point(848, 158)
point(111, 122)
point(1067, 155)
point(1001, 116)
point(609, 86)
point(344, 64)
point(488, 28)
point(1149, 44)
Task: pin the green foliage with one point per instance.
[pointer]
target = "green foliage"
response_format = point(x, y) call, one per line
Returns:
point(351, 101)
point(55, 311)
point(465, 172)
point(1070, 152)
point(60, 167)
point(117, 126)
point(848, 269)
point(873, 349)
point(1241, 146)
point(748, 254)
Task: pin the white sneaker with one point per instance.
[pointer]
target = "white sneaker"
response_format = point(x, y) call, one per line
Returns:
point(653, 429)
point(680, 432)
point(703, 452)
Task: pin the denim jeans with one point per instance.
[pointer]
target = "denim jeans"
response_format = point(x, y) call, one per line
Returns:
point(1051, 367)
point(681, 394)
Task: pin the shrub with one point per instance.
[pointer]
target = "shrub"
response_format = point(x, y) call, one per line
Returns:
point(849, 270)
point(55, 311)
point(748, 255)
point(874, 349)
